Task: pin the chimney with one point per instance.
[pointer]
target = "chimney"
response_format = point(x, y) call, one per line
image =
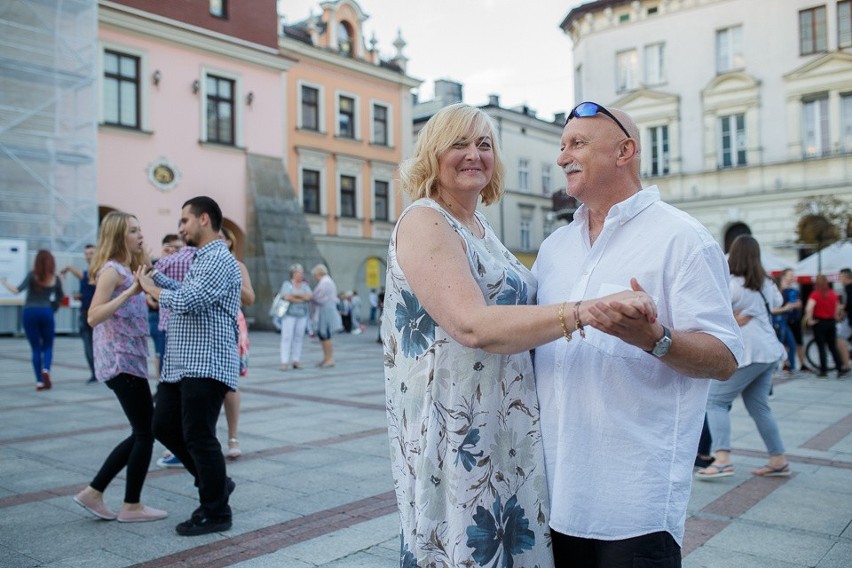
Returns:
point(494, 100)
point(559, 118)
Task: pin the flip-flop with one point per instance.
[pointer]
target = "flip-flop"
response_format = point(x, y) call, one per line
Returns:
point(769, 471)
point(726, 470)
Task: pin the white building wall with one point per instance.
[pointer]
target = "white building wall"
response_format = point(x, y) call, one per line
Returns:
point(768, 89)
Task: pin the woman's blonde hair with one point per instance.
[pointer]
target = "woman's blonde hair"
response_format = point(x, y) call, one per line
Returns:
point(112, 244)
point(419, 175)
point(320, 269)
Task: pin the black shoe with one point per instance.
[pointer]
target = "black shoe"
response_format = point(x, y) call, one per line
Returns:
point(843, 373)
point(92, 381)
point(229, 485)
point(701, 462)
point(198, 525)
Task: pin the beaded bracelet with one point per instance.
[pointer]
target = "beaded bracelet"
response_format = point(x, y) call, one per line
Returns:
point(577, 323)
point(565, 331)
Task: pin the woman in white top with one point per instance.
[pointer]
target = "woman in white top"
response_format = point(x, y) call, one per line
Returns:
point(753, 295)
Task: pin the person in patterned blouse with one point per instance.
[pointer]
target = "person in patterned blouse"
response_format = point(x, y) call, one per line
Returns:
point(201, 361)
point(119, 318)
point(457, 327)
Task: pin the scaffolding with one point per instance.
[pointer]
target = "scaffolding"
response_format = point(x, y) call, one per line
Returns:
point(48, 124)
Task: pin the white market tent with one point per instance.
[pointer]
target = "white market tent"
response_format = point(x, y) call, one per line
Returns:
point(828, 261)
point(774, 263)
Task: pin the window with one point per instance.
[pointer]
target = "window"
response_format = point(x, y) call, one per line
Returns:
point(311, 191)
point(732, 141)
point(219, 8)
point(344, 39)
point(380, 125)
point(655, 71)
point(545, 178)
point(846, 122)
point(659, 150)
point(813, 30)
point(346, 117)
point(121, 89)
point(526, 234)
point(626, 63)
point(729, 49)
point(524, 175)
point(310, 108)
point(815, 127)
point(220, 110)
point(844, 24)
point(347, 196)
point(380, 200)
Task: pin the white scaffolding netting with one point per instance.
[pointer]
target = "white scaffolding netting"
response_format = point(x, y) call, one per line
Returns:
point(48, 123)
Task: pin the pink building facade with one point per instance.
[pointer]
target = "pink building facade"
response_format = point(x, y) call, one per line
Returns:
point(181, 108)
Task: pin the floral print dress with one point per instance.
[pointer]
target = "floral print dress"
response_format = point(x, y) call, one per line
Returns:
point(466, 453)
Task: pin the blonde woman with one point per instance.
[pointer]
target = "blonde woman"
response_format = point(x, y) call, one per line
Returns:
point(463, 416)
point(119, 318)
point(296, 291)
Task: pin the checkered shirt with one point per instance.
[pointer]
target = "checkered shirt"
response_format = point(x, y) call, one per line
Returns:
point(175, 266)
point(203, 331)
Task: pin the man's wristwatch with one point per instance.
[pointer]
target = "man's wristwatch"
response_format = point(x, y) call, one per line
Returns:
point(662, 346)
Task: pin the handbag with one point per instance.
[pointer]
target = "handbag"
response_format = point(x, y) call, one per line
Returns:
point(279, 307)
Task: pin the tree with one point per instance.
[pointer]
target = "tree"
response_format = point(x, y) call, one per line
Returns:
point(820, 220)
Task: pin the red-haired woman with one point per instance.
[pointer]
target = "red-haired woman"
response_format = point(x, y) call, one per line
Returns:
point(44, 294)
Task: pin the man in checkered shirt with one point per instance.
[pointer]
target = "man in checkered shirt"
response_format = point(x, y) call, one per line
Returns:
point(201, 363)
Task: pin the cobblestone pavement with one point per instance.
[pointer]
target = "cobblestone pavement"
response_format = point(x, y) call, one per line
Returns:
point(314, 485)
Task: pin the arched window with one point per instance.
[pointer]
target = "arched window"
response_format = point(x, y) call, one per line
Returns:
point(344, 39)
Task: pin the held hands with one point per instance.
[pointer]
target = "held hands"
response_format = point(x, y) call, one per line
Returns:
point(630, 316)
point(144, 280)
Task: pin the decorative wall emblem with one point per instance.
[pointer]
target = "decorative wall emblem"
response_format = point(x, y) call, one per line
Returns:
point(163, 174)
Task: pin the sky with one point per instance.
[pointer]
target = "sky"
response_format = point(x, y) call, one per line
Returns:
point(505, 47)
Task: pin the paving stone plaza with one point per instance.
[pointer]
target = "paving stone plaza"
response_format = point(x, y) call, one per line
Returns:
point(314, 487)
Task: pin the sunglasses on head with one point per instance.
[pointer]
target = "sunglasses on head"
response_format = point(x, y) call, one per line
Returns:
point(588, 108)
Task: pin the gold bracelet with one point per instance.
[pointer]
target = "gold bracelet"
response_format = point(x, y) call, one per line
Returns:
point(577, 323)
point(565, 331)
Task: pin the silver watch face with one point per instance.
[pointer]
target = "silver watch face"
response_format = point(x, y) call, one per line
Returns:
point(662, 347)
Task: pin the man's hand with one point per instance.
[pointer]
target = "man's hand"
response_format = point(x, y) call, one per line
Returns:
point(629, 316)
point(147, 283)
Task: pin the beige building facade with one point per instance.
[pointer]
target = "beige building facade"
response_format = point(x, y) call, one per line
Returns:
point(743, 112)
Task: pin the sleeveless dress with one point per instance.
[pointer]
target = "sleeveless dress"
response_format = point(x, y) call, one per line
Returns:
point(120, 343)
point(466, 453)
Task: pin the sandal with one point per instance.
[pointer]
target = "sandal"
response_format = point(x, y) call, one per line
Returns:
point(234, 451)
point(769, 471)
point(713, 471)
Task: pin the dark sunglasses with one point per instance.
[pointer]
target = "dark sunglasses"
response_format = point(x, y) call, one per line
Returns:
point(588, 108)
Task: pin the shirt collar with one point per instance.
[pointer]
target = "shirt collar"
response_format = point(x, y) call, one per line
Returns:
point(210, 247)
point(623, 211)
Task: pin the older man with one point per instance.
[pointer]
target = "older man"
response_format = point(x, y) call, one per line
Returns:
point(622, 414)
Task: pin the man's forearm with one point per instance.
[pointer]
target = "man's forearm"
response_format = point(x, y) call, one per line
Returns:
point(700, 355)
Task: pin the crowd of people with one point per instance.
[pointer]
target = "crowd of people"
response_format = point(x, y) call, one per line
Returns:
point(551, 416)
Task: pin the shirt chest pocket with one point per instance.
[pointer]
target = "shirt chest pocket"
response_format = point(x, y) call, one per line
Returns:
point(610, 346)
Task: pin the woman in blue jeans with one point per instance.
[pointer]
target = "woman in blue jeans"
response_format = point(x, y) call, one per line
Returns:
point(753, 295)
point(44, 294)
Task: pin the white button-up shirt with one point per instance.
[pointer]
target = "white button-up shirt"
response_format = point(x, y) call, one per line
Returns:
point(620, 428)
